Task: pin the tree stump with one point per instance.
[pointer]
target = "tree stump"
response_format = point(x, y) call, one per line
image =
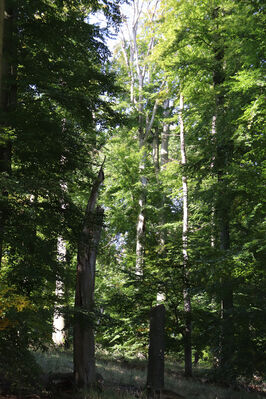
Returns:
point(155, 378)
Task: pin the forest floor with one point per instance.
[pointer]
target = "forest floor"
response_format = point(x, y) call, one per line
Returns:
point(126, 379)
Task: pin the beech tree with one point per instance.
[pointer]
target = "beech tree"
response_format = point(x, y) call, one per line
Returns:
point(84, 347)
point(183, 186)
point(53, 84)
point(200, 53)
point(186, 288)
point(195, 44)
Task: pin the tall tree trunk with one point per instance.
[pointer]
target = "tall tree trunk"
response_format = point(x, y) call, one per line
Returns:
point(2, 10)
point(186, 291)
point(59, 332)
point(84, 350)
point(138, 72)
point(223, 204)
point(165, 135)
point(155, 150)
point(164, 159)
point(58, 336)
point(7, 101)
point(140, 231)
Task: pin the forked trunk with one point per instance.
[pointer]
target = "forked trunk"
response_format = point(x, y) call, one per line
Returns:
point(84, 351)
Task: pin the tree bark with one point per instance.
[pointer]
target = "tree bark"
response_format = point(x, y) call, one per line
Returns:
point(155, 377)
point(186, 291)
point(84, 350)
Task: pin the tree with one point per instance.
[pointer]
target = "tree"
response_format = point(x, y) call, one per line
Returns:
point(136, 52)
point(7, 101)
point(186, 288)
point(58, 85)
point(84, 348)
point(200, 53)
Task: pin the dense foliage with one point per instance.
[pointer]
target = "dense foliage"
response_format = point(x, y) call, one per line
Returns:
point(52, 133)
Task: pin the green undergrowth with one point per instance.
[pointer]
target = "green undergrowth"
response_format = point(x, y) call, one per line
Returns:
point(123, 375)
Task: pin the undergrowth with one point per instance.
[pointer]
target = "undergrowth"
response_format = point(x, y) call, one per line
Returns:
point(121, 376)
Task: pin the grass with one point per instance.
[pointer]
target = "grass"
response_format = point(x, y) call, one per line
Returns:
point(119, 375)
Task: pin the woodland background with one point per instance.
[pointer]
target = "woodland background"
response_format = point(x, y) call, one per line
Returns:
point(175, 118)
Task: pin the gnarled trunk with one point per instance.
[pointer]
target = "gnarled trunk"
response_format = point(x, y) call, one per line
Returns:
point(84, 351)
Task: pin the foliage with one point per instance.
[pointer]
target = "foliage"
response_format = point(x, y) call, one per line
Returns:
point(58, 127)
point(70, 113)
point(188, 39)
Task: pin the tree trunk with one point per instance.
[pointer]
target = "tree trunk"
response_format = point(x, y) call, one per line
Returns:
point(155, 377)
point(164, 159)
point(138, 73)
point(59, 335)
point(186, 293)
point(222, 142)
point(2, 10)
point(84, 351)
point(165, 135)
point(140, 231)
point(7, 102)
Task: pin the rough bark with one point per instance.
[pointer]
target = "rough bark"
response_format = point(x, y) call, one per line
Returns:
point(155, 376)
point(84, 350)
point(186, 292)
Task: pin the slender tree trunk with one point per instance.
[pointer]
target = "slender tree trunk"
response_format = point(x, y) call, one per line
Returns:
point(58, 319)
point(2, 10)
point(155, 151)
point(140, 231)
point(165, 135)
point(59, 332)
point(164, 159)
point(186, 292)
point(223, 205)
point(3, 160)
point(140, 74)
point(84, 350)
point(7, 101)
